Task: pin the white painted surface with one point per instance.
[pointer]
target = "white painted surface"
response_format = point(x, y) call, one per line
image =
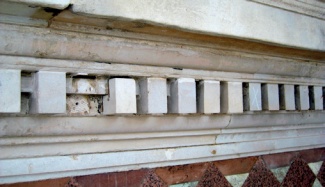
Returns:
point(9, 91)
point(100, 145)
point(182, 99)
point(270, 97)
point(208, 97)
point(49, 93)
point(302, 97)
point(153, 96)
point(287, 97)
point(237, 18)
point(231, 97)
point(318, 98)
point(57, 4)
point(121, 98)
point(49, 126)
point(255, 97)
point(313, 8)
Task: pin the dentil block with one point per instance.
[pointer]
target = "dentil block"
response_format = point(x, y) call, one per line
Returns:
point(10, 91)
point(209, 97)
point(182, 98)
point(122, 97)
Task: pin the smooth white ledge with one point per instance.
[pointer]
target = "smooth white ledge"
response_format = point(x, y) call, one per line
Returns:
point(230, 18)
point(57, 4)
point(90, 67)
point(53, 125)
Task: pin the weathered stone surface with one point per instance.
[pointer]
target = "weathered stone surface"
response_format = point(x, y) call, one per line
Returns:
point(208, 97)
point(153, 96)
point(182, 97)
point(287, 97)
point(49, 93)
point(252, 97)
point(57, 4)
point(122, 97)
point(10, 91)
point(316, 97)
point(302, 97)
point(217, 18)
point(231, 97)
point(270, 97)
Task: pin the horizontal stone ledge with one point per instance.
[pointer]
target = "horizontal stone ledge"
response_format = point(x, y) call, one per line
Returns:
point(61, 166)
point(29, 147)
point(31, 64)
point(249, 131)
point(57, 4)
point(139, 51)
point(45, 125)
point(275, 134)
point(101, 146)
point(209, 17)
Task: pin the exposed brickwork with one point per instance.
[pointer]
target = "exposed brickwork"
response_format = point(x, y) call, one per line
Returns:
point(214, 178)
point(260, 175)
point(299, 174)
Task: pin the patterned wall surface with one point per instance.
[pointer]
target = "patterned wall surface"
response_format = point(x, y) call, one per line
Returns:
point(303, 168)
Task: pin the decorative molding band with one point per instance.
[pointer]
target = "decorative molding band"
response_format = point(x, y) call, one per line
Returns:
point(27, 41)
point(30, 169)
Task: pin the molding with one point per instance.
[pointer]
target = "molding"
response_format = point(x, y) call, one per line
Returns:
point(30, 64)
point(26, 41)
point(30, 169)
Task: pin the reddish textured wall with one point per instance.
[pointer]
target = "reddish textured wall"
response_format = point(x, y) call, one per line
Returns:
point(208, 174)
